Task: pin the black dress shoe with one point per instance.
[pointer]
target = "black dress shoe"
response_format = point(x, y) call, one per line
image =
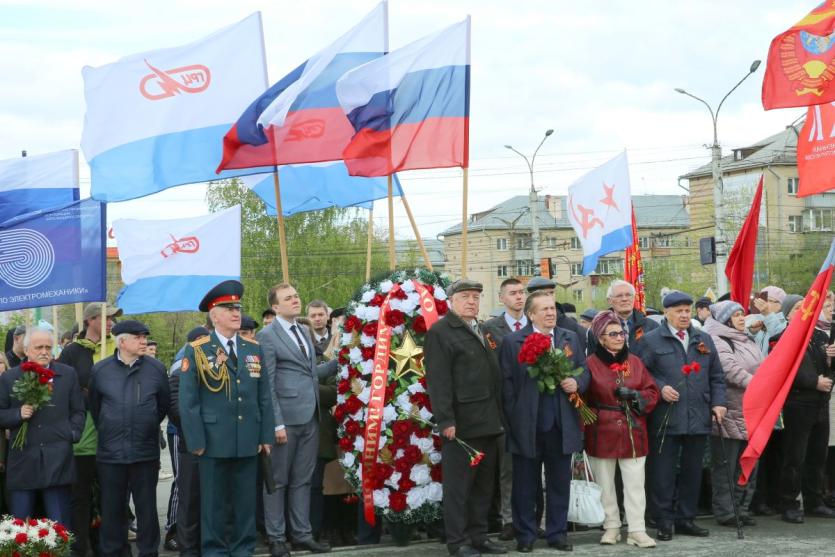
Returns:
point(508, 533)
point(821, 511)
point(763, 510)
point(312, 546)
point(689, 528)
point(792, 516)
point(524, 547)
point(664, 534)
point(490, 548)
point(561, 545)
point(279, 549)
point(730, 522)
point(466, 551)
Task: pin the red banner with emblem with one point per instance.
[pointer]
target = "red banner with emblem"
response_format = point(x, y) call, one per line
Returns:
point(379, 381)
point(816, 151)
point(633, 267)
point(801, 62)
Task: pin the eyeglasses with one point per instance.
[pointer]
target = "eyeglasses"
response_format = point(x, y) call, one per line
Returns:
point(616, 334)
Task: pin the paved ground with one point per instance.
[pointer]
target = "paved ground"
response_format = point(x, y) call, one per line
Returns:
point(771, 536)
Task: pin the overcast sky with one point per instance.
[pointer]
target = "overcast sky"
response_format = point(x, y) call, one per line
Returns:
point(600, 73)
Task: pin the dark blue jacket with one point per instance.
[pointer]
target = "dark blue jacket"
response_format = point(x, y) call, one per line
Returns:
point(127, 405)
point(520, 396)
point(664, 357)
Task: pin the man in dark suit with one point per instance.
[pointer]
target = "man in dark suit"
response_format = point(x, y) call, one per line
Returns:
point(512, 296)
point(464, 385)
point(692, 399)
point(227, 419)
point(44, 466)
point(318, 314)
point(544, 429)
point(290, 364)
point(563, 321)
point(621, 298)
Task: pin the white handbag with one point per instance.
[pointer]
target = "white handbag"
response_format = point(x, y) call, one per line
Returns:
point(584, 502)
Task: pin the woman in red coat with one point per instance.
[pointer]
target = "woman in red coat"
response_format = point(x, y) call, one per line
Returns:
point(623, 392)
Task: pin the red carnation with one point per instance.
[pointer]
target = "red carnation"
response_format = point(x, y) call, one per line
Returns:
point(354, 373)
point(400, 294)
point(352, 428)
point(346, 444)
point(401, 427)
point(395, 317)
point(686, 369)
point(18, 522)
point(343, 386)
point(377, 300)
point(391, 391)
point(353, 405)
point(382, 471)
point(441, 306)
point(352, 324)
point(397, 501)
point(420, 399)
point(370, 329)
point(367, 352)
point(43, 379)
point(342, 355)
point(400, 442)
point(33, 522)
point(339, 413)
point(423, 432)
point(697, 367)
point(437, 441)
point(44, 554)
point(403, 466)
point(412, 454)
point(21, 538)
point(405, 484)
point(43, 532)
point(419, 324)
point(436, 473)
point(430, 289)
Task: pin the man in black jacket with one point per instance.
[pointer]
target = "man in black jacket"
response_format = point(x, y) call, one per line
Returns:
point(806, 433)
point(621, 298)
point(43, 466)
point(464, 385)
point(129, 397)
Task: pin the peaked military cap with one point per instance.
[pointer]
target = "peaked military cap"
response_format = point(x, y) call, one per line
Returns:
point(540, 283)
point(228, 293)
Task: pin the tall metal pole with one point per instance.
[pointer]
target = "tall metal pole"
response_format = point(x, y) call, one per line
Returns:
point(533, 203)
point(718, 187)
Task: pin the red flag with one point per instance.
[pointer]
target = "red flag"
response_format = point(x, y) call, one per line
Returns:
point(740, 266)
point(767, 392)
point(633, 267)
point(801, 62)
point(816, 151)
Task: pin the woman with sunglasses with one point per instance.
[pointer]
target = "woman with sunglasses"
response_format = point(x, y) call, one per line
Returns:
point(623, 393)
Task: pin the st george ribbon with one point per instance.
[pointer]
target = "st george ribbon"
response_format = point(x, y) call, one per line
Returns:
point(379, 380)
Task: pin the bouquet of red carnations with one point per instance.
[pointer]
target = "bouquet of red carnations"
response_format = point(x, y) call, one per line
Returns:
point(34, 388)
point(550, 366)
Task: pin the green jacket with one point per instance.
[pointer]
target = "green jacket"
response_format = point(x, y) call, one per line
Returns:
point(227, 414)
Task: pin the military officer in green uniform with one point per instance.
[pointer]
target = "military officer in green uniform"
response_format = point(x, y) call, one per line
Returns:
point(227, 419)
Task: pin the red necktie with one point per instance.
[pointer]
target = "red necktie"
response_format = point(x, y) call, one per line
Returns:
point(517, 326)
point(680, 334)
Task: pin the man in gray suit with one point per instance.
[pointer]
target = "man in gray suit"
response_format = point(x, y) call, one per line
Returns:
point(289, 357)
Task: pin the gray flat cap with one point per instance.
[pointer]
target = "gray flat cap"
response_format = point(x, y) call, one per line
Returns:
point(462, 285)
point(540, 283)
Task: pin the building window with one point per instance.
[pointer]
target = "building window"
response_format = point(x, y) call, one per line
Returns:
point(550, 242)
point(523, 242)
point(795, 223)
point(524, 267)
point(576, 269)
point(819, 220)
point(575, 243)
point(501, 244)
point(662, 241)
point(607, 267)
point(643, 242)
point(501, 271)
point(793, 184)
point(577, 295)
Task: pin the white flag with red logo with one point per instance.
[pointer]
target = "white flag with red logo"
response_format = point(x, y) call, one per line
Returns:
point(168, 265)
point(600, 210)
point(157, 119)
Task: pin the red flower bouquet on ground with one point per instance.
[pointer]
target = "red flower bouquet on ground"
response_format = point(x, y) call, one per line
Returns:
point(34, 388)
point(550, 366)
point(34, 538)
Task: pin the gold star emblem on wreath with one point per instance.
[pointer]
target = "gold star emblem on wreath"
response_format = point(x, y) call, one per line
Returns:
point(408, 358)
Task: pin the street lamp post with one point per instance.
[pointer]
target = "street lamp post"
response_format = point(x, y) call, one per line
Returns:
point(533, 201)
point(718, 188)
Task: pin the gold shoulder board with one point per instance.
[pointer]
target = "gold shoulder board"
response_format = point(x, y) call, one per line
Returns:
point(200, 341)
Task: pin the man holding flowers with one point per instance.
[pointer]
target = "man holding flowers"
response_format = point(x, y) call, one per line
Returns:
point(685, 365)
point(41, 405)
point(543, 416)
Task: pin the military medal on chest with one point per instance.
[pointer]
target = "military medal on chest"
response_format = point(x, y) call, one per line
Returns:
point(253, 364)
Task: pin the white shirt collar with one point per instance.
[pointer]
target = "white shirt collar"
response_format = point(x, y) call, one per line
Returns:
point(224, 342)
point(511, 322)
point(549, 333)
point(286, 324)
point(675, 334)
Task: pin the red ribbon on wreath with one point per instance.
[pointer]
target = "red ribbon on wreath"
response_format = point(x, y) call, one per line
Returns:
point(379, 381)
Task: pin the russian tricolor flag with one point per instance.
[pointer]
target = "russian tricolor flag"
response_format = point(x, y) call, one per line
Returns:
point(299, 120)
point(410, 109)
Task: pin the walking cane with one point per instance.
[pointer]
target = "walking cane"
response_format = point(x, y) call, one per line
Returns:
point(729, 474)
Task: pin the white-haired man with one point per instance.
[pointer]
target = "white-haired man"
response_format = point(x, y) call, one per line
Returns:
point(621, 298)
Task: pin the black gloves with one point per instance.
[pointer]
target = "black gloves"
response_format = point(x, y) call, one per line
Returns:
point(624, 393)
point(639, 404)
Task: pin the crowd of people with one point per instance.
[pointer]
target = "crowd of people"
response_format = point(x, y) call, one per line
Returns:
point(253, 444)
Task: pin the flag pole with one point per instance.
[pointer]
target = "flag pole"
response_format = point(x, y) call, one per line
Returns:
point(370, 240)
point(392, 255)
point(79, 317)
point(282, 236)
point(55, 324)
point(464, 226)
point(103, 330)
point(417, 232)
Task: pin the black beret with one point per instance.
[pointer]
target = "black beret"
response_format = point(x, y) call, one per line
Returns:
point(248, 323)
point(196, 333)
point(228, 293)
point(131, 327)
point(676, 298)
point(540, 283)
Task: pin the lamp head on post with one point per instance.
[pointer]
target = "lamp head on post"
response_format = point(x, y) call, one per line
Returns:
point(754, 65)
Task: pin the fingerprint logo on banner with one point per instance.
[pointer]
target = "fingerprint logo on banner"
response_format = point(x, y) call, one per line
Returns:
point(26, 257)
